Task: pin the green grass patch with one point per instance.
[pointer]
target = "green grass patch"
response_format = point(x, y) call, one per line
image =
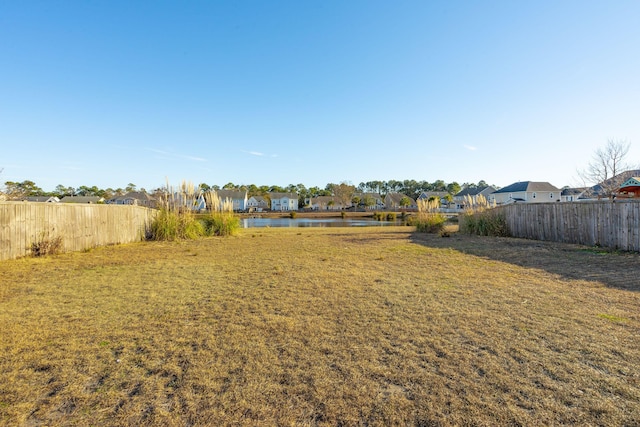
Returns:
point(612, 318)
point(489, 222)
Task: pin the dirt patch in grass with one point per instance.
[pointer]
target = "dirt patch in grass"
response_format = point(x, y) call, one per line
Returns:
point(361, 326)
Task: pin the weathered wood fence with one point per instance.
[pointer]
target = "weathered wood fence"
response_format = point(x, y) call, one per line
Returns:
point(614, 225)
point(79, 226)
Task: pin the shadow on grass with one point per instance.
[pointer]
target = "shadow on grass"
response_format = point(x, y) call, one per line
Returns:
point(613, 269)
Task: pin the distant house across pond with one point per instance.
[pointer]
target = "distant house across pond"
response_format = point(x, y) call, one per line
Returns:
point(397, 201)
point(42, 199)
point(527, 192)
point(284, 201)
point(138, 198)
point(236, 197)
point(257, 204)
point(82, 199)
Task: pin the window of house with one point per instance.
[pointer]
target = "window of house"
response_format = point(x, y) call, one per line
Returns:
point(551, 195)
point(534, 195)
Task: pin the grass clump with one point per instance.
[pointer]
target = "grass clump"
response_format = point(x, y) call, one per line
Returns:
point(429, 220)
point(218, 224)
point(379, 216)
point(220, 221)
point(177, 218)
point(46, 245)
point(171, 225)
point(480, 217)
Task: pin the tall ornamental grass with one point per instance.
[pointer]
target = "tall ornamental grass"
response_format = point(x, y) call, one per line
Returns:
point(220, 220)
point(177, 218)
point(429, 220)
point(480, 217)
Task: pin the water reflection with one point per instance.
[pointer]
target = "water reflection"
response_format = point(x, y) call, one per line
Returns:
point(314, 222)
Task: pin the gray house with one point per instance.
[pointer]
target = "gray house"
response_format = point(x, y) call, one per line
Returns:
point(473, 193)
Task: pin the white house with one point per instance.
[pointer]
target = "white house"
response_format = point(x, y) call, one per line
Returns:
point(238, 198)
point(257, 204)
point(284, 201)
point(527, 192)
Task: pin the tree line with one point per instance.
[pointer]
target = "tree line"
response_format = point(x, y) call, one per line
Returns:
point(410, 188)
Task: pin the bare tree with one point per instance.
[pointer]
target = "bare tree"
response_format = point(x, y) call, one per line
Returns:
point(606, 171)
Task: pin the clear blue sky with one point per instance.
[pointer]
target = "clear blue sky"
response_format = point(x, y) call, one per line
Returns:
point(284, 92)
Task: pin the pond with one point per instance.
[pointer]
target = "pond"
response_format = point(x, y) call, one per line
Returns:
point(315, 222)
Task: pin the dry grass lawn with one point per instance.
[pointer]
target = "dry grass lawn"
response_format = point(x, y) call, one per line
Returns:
point(359, 326)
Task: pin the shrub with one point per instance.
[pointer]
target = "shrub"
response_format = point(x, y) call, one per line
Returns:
point(379, 216)
point(221, 221)
point(429, 220)
point(46, 245)
point(343, 214)
point(173, 225)
point(482, 219)
point(485, 223)
point(293, 214)
point(176, 219)
point(430, 223)
point(391, 216)
point(221, 224)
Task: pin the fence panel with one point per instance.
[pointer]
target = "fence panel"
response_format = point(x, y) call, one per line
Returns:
point(79, 226)
point(602, 223)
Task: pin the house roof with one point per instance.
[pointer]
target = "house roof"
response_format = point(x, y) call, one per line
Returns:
point(429, 194)
point(231, 194)
point(258, 199)
point(138, 195)
point(527, 186)
point(573, 191)
point(82, 199)
point(621, 177)
point(397, 197)
point(275, 195)
point(634, 181)
point(321, 199)
point(52, 199)
point(474, 191)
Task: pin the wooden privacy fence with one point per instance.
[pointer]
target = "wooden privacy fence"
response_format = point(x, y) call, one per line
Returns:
point(79, 226)
point(613, 225)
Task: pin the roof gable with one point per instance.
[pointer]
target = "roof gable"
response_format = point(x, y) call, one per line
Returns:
point(527, 186)
point(631, 182)
point(231, 194)
point(474, 191)
point(275, 195)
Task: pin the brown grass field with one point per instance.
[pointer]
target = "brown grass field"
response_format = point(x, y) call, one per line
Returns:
point(322, 326)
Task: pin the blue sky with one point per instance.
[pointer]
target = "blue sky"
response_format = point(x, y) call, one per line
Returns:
point(284, 92)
